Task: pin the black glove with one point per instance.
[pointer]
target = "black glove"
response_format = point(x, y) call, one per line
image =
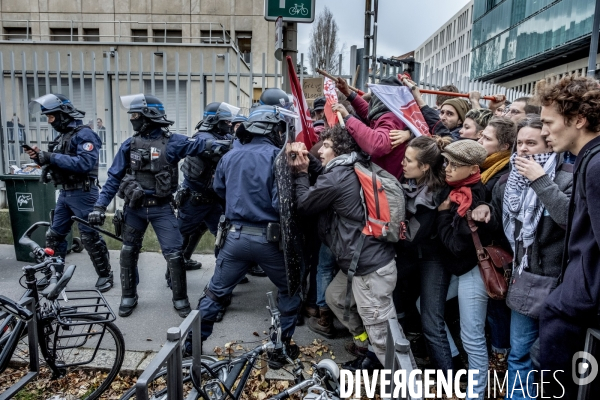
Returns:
point(97, 216)
point(44, 157)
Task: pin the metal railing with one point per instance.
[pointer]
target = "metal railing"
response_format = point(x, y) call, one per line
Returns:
point(171, 357)
point(592, 344)
point(398, 356)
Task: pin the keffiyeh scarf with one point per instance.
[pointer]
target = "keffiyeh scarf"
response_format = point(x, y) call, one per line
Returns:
point(522, 203)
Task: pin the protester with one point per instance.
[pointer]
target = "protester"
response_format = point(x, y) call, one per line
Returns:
point(440, 98)
point(531, 206)
point(571, 122)
point(425, 189)
point(475, 122)
point(463, 159)
point(452, 115)
point(373, 137)
point(336, 197)
point(522, 106)
point(497, 139)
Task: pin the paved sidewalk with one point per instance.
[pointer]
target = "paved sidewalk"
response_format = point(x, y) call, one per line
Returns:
point(145, 331)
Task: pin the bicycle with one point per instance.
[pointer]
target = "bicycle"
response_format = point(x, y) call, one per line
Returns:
point(218, 378)
point(73, 327)
point(300, 10)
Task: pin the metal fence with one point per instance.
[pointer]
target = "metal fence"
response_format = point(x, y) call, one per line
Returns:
point(398, 356)
point(170, 356)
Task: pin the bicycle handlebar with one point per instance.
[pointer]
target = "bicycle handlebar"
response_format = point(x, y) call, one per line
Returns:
point(26, 240)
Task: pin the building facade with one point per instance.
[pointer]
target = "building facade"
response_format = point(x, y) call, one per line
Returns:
point(519, 42)
point(447, 53)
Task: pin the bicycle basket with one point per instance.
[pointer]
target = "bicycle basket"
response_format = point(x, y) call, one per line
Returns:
point(80, 329)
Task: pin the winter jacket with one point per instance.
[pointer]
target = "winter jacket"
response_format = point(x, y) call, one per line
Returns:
point(455, 233)
point(335, 196)
point(491, 183)
point(373, 137)
point(545, 254)
point(432, 117)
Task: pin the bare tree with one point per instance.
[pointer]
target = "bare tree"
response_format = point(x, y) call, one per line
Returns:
point(324, 46)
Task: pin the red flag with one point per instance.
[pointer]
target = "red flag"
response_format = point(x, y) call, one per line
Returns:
point(307, 135)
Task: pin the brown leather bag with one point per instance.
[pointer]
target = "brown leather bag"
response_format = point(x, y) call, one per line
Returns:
point(495, 265)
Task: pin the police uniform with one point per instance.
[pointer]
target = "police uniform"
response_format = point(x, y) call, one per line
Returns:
point(71, 163)
point(244, 178)
point(144, 173)
point(199, 207)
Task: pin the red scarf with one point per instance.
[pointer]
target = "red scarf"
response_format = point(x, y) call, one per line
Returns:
point(461, 192)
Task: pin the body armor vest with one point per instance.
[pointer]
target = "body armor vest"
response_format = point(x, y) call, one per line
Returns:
point(149, 165)
point(62, 145)
point(200, 168)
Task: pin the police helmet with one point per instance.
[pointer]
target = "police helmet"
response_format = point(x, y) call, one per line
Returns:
point(263, 121)
point(219, 114)
point(275, 97)
point(148, 106)
point(55, 103)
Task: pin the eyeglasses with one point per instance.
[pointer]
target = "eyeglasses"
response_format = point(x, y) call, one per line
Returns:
point(453, 166)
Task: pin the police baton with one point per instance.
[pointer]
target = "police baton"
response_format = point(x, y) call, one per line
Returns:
point(105, 232)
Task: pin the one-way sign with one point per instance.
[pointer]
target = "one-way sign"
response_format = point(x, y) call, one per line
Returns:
point(290, 10)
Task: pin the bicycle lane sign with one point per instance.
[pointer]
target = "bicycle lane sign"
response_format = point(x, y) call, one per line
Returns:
point(290, 10)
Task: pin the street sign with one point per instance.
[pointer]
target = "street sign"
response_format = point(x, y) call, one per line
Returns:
point(290, 10)
point(279, 39)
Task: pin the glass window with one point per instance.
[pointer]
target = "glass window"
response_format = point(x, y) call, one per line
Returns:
point(139, 35)
point(91, 35)
point(17, 34)
point(166, 36)
point(63, 34)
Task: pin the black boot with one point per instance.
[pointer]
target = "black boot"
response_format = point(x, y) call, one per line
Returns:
point(256, 270)
point(98, 252)
point(190, 242)
point(178, 284)
point(277, 359)
point(129, 298)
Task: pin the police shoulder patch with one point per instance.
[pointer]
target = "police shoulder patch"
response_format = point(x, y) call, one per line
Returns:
point(88, 146)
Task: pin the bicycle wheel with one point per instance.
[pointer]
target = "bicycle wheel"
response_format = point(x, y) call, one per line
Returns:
point(293, 11)
point(87, 351)
point(304, 11)
point(157, 387)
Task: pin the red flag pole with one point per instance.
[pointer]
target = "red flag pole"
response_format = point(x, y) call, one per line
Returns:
point(333, 78)
point(453, 94)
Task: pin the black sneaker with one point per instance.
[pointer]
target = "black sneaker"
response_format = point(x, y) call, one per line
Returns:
point(220, 314)
point(192, 265)
point(277, 359)
point(256, 270)
point(355, 364)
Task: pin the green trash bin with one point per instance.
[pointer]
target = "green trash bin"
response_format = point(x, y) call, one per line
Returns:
point(29, 201)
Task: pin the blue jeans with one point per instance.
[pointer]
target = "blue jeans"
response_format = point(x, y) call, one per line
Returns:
point(325, 272)
point(472, 303)
point(524, 331)
point(435, 281)
point(498, 319)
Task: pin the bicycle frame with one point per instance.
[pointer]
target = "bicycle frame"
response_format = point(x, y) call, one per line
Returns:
point(34, 361)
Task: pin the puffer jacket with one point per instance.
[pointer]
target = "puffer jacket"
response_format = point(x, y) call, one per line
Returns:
point(335, 196)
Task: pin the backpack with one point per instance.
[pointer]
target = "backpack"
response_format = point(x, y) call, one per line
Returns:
point(383, 201)
point(385, 211)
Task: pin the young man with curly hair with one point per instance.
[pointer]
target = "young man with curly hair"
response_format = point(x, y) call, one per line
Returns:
point(571, 121)
point(335, 196)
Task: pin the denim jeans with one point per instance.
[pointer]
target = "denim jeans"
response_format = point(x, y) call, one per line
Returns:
point(435, 282)
point(472, 303)
point(498, 319)
point(325, 272)
point(524, 331)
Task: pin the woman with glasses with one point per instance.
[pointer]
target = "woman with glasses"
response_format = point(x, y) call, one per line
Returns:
point(463, 160)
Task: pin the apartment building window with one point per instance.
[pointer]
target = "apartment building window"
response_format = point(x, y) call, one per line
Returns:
point(244, 44)
point(212, 36)
point(91, 35)
point(17, 34)
point(167, 36)
point(64, 34)
point(139, 35)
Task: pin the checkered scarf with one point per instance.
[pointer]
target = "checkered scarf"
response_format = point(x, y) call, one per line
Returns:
point(521, 202)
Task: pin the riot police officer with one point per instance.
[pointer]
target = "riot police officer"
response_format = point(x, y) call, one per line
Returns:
point(198, 205)
point(245, 170)
point(144, 173)
point(71, 163)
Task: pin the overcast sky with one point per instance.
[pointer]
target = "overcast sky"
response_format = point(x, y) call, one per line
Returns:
point(402, 25)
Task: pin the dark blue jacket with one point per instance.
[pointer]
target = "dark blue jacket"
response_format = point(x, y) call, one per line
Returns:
point(244, 179)
point(580, 294)
point(86, 144)
point(196, 186)
point(178, 147)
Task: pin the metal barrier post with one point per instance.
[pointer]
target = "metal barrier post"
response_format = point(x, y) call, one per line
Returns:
point(591, 344)
point(398, 356)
